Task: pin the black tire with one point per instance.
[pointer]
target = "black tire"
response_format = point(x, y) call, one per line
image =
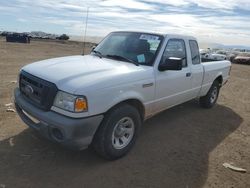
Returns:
point(103, 139)
point(210, 99)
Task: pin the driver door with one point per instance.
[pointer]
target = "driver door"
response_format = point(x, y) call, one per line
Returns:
point(173, 87)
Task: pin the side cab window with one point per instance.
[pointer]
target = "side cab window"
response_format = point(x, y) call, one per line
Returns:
point(175, 48)
point(195, 54)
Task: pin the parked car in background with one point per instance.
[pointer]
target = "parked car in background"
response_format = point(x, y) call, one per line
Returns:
point(243, 57)
point(205, 57)
point(222, 52)
point(18, 37)
point(217, 57)
point(63, 37)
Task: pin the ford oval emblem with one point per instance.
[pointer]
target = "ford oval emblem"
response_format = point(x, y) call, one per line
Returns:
point(28, 89)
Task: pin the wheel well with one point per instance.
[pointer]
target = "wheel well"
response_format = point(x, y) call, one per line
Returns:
point(135, 103)
point(219, 79)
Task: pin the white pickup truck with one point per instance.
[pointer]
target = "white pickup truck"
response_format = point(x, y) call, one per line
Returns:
point(101, 99)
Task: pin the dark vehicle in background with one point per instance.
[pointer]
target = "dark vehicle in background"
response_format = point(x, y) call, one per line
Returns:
point(18, 37)
point(26, 36)
point(63, 37)
point(243, 58)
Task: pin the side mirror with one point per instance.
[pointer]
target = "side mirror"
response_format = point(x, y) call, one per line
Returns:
point(92, 49)
point(172, 63)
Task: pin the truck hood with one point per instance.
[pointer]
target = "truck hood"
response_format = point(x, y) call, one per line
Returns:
point(74, 73)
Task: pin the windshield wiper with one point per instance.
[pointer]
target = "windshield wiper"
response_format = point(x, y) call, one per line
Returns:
point(118, 57)
point(99, 54)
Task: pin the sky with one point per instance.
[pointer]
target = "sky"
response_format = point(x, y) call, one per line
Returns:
point(214, 21)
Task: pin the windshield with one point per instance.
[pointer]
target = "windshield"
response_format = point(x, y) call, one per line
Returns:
point(140, 48)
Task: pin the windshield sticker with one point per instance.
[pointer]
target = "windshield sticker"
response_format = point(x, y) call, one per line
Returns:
point(141, 58)
point(148, 37)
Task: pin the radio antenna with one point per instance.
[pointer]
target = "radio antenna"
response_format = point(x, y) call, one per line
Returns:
point(85, 30)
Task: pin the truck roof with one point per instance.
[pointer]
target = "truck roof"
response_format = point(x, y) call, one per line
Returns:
point(180, 36)
point(164, 35)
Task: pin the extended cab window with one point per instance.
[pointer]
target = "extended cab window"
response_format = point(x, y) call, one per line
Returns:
point(175, 48)
point(195, 54)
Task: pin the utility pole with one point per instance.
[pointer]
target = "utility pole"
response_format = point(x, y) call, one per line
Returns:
point(85, 30)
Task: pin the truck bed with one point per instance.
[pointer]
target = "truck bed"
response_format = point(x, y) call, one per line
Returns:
point(211, 71)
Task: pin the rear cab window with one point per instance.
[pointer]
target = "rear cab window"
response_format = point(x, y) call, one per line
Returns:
point(195, 54)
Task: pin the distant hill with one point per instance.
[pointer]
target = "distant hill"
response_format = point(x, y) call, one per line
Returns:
point(205, 45)
point(234, 47)
point(93, 39)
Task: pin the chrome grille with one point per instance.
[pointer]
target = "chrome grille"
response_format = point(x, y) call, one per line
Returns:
point(37, 91)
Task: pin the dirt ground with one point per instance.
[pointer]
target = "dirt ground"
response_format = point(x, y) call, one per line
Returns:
point(183, 147)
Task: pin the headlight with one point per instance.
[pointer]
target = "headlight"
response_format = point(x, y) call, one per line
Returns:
point(70, 102)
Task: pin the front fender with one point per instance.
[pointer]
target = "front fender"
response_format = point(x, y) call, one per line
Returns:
point(103, 100)
point(126, 96)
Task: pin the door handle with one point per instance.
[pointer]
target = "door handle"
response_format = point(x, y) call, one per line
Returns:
point(188, 74)
point(148, 85)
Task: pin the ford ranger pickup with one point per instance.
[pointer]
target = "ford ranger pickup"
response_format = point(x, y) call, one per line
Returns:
point(101, 99)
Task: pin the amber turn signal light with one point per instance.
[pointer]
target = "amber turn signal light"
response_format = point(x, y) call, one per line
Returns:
point(81, 105)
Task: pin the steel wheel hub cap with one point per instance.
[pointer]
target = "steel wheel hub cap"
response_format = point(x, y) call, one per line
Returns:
point(123, 133)
point(214, 95)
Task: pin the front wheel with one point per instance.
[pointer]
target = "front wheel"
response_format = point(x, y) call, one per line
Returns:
point(210, 99)
point(118, 132)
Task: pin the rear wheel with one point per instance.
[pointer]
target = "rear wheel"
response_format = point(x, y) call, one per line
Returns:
point(118, 132)
point(210, 99)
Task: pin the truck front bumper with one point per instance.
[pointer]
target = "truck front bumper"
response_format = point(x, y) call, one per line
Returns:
point(75, 133)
